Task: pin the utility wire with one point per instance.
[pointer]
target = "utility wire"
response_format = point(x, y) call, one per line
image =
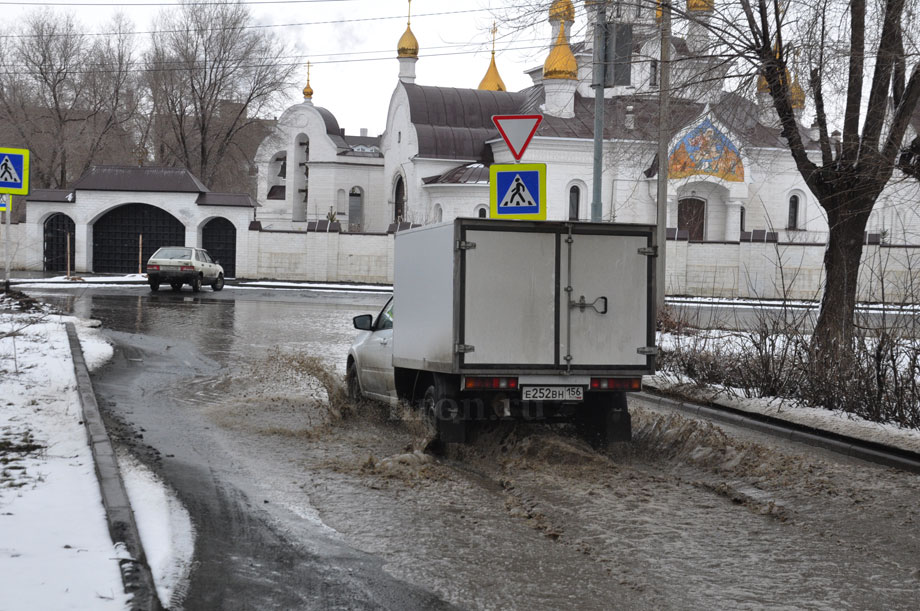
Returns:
point(258, 26)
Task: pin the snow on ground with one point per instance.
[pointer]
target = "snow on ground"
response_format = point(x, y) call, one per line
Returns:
point(791, 411)
point(165, 527)
point(55, 547)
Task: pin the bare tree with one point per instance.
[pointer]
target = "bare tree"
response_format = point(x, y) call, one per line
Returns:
point(836, 39)
point(65, 96)
point(212, 78)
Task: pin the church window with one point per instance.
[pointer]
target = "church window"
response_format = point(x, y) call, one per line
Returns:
point(481, 212)
point(574, 200)
point(742, 219)
point(653, 73)
point(356, 209)
point(793, 222)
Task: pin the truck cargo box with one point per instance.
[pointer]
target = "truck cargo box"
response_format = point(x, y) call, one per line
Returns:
point(480, 295)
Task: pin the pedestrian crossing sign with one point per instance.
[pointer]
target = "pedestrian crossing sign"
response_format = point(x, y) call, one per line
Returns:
point(14, 171)
point(518, 191)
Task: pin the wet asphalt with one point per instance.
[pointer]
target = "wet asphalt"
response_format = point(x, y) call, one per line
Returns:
point(165, 345)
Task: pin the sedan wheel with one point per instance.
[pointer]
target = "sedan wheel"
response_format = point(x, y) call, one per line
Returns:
point(352, 386)
point(219, 283)
point(154, 286)
point(196, 284)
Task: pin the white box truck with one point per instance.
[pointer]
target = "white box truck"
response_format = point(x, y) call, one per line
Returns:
point(498, 319)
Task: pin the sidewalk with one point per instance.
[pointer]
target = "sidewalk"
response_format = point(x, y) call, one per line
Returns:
point(56, 544)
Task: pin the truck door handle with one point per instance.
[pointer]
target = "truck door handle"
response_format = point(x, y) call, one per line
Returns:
point(581, 304)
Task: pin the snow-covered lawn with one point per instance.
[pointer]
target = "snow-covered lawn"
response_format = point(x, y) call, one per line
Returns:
point(55, 547)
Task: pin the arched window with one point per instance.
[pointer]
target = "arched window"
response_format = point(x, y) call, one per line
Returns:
point(793, 222)
point(438, 214)
point(399, 200)
point(653, 73)
point(574, 199)
point(482, 212)
point(356, 209)
point(742, 218)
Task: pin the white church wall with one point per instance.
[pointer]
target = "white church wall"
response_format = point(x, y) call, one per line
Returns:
point(320, 257)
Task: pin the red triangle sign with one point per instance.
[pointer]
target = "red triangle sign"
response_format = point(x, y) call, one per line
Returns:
point(517, 130)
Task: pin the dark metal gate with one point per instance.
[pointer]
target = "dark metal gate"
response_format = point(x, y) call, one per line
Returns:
point(116, 237)
point(219, 238)
point(57, 228)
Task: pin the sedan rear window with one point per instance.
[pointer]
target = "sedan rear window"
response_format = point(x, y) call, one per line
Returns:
point(173, 253)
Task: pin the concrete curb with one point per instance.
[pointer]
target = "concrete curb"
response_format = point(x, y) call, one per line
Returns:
point(135, 574)
point(835, 442)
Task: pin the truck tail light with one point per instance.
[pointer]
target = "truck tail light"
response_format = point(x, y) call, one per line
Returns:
point(155, 268)
point(186, 268)
point(616, 383)
point(477, 383)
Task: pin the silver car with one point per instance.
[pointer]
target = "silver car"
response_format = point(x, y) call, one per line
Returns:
point(369, 370)
point(178, 265)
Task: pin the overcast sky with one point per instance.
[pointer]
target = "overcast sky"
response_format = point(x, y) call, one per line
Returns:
point(352, 44)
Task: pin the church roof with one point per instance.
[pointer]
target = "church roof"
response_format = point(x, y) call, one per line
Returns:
point(237, 200)
point(59, 196)
point(456, 123)
point(468, 174)
point(139, 178)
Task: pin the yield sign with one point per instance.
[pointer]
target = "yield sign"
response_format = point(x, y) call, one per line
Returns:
point(517, 130)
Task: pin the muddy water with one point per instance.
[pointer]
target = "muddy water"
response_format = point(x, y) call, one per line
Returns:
point(529, 517)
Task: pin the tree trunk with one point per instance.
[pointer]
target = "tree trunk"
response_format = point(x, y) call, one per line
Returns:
point(834, 329)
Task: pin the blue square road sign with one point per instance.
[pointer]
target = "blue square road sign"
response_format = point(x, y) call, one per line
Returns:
point(14, 171)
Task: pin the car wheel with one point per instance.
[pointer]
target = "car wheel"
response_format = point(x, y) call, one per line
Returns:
point(154, 286)
point(218, 283)
point(176, 286)
point(196, 284)
point(352, 385)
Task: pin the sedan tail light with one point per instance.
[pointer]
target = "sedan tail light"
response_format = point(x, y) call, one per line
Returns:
point(155, 268)
point(187, 268)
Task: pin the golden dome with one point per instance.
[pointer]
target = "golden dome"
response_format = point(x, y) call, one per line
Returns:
point(561, 62)
point(797, 94)
point(492, 81)
point(562, 10)
point(700, 5)
point(408, 45)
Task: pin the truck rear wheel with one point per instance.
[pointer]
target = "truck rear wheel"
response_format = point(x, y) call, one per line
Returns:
point(604, 419)
point(441, 407)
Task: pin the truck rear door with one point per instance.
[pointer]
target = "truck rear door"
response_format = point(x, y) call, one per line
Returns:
point(555, 297)
point(509, 295)
point(605, 314)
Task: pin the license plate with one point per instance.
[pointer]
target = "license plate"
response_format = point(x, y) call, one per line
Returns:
point(553, 393)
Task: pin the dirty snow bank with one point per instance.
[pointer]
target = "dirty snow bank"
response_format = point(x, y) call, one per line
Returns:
point(794, 412)
point(55, 549)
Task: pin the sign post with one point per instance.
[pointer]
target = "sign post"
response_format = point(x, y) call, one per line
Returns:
point(14, 180)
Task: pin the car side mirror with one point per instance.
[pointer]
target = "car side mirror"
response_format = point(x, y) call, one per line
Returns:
point(364, 322)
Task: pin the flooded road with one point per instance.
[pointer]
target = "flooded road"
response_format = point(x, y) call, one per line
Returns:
point(300, 503)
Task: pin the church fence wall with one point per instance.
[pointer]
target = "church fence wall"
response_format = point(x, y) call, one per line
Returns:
point(319, 257)
point(794, 271)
